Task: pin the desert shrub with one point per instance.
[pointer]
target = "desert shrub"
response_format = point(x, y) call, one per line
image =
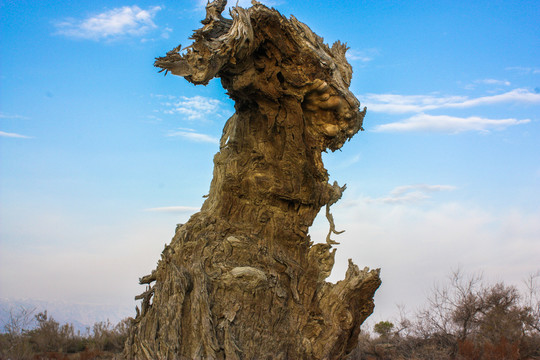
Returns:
point(107, 337)
point(27, 336)
point(14, 342)
point(383, 328)
point(466, 319)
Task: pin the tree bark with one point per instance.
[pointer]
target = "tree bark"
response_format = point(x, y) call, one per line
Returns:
point(242, 278)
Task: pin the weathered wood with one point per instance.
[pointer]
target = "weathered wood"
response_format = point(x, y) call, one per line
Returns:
point(242, 278)
point(147, 279)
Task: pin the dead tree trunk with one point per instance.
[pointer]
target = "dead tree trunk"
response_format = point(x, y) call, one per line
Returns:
point(242, 279)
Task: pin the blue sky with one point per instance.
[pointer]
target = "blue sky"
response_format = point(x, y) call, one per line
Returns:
point(100, 156)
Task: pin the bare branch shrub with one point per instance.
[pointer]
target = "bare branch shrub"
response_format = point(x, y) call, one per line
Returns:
point(465, 319)
point(13, 342)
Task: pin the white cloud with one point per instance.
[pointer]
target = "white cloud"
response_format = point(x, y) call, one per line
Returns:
point(398, 104)
point(349, 161)
point(361, 55)
point(400, 190)
point(166, 33)
point(493, 82)
point(13, 135)
point(194, 136)
point(174, 209)
point(152, 119)
point(516, 95)
point(112, 24)
point(410, 194)
point(391, 103)
point(523, 70)
point(194, 108)
point(161, 96)
point(448, 124)
point(9, 116)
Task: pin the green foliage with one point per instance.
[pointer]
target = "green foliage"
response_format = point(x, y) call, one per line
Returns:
point(383, 328)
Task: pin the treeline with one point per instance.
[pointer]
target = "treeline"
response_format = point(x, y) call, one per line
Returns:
point(463, 320)
point(466, 319)
point(38, 337)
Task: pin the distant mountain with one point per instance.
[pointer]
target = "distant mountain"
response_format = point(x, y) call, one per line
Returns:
point(82, 316)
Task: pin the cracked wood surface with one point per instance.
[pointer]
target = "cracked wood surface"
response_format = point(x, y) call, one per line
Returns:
point(242, 278)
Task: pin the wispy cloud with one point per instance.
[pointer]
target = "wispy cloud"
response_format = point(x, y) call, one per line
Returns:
point(192, 135)
point(165, 34)
point(12, 116)
point(399, 104)
point(410, 193)
point(152, 119)
point(174, 209)
point(350, 161)
point(516, 95)
point(493, 82)
point(524, 70)
point(448, 124)
point(112, 24)
point(362, 55)
point(194, 108)
point(14, 135)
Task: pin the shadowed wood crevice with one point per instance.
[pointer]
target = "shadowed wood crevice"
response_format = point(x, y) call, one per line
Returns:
point(242, 278)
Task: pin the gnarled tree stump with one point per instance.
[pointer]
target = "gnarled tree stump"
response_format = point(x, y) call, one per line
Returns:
point(242, 279)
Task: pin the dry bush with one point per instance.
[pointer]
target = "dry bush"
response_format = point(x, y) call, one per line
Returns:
point(465, 320)
point(41, 337)
point(107, 337)
point(13, 342)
